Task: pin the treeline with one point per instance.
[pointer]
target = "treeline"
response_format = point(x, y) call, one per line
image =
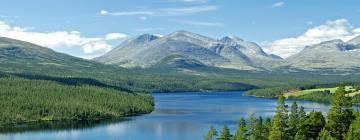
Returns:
point(342, 123)
point(316, 96)
point(324, 97)
point(269, 92)
point(274, 92)
point(165, 79)
point(24, 100)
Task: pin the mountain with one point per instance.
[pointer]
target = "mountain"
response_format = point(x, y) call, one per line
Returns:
point(328, 55)
point(355, 41)
point(244, 53)
point(180, 71)
point(22, 57)
point(229, 52)
point(34, 62)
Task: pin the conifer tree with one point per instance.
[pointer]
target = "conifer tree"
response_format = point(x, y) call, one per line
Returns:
point(240, 133)
point(267, 127)
point(354, 130)
point(314, 123)
point(302, 114)
point(300, 135)
point(252, 127)
point(278, 128)
point(301, 126)
point(293, 120)
point(211, 133)
point(324, 135)
point(340, 114)
point(225, 133)
point(259, 129)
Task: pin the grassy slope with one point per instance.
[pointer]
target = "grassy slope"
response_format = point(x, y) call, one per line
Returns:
point(309, 91)
point(319, 93)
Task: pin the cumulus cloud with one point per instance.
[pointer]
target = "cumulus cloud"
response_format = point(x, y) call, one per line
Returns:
point(164, 11)
point(96, 46)
point(357, 30)
point(61, 40)
point(114, 36)
point(336, 29)
point(278, 4)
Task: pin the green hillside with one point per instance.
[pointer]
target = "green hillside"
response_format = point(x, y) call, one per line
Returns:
point(317, 93)
point(24, 100)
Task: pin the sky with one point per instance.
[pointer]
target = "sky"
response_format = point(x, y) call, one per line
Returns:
point(90, 28)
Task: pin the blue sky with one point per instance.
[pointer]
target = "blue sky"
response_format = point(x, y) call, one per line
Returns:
point(96, 26)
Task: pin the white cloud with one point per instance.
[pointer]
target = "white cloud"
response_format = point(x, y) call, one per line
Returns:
point(164, 11)
point(189, 10)
point(114, 36)
point(103, 12)
point(96, 46)
point(61, 40)
point(278, 4)
point(192, 1)
point(357, 30)
point(143, 18)
point(126, 13)
point(337, 29)
point(202, 23)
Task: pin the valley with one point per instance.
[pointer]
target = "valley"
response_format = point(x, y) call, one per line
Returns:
point(44, 90)
point(179, 70)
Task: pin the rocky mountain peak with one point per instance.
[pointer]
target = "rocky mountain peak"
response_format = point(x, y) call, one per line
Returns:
point(146, 38)
point(231, 39)
point(229, 52)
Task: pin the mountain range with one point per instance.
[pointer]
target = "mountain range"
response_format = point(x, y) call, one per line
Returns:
point(187, 48)
point(184, 61)
point(334, 54)
point(229, 52)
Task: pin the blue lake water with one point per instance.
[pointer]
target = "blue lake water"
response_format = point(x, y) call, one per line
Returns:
point(177, 116)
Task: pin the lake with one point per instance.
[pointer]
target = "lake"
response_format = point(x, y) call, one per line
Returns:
point(177, 116)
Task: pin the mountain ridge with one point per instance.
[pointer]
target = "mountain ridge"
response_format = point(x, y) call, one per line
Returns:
point(334, 54)
point(227, 52)
point(236, 53)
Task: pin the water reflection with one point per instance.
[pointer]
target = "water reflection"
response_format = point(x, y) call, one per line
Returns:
point(56, 126)
point(179, 116)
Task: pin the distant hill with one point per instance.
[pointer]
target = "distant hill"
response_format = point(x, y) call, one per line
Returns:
point(22, 57)
point(148, 51)
point(31, 61)
point(334, 54)
point(163, 71)
point(355, 41)
point(229, 52)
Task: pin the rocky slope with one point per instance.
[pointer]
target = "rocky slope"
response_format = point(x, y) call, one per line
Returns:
point(329, 55)
point(229, 52)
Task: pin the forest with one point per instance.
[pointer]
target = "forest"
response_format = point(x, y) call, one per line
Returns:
point(29, 100)
point(340, 123)
point(323, 96)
